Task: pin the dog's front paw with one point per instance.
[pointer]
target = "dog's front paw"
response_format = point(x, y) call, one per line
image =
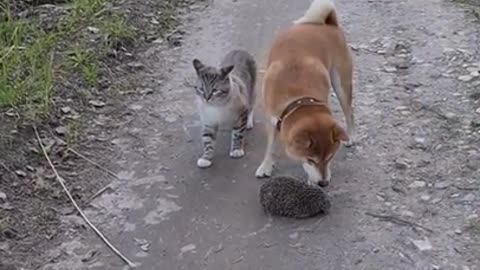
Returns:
point(349, 143)
point(264, 170)
point(204, 163)
point(237, 153)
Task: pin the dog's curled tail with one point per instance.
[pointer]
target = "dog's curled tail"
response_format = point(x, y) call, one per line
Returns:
point(319, 12)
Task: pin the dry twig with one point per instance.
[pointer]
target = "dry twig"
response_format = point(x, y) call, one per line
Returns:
point(98, 193)
point(85, 158)
point(93, 162)
point(62, 183)
point(397, 220)
point(7, 169)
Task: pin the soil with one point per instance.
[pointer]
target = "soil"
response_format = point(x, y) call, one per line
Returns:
point(32, 203)
point(407, 196)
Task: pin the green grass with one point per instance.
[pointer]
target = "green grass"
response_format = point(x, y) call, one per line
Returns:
point(25, 65)
point(87, 8)
point(31, 59)
point(84, 62)
point(117, 32)
point(474, 226)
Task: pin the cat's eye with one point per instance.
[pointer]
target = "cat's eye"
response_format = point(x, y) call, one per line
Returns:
point(311, 160)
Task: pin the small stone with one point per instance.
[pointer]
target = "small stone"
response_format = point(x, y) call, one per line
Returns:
point(465, 78)
point(465, 267)
point(417, 184)
point(61, 130)
point(422, 245)
point(450, 115)
point(93, 30)
point(146, 91)
point(458, 231)
point(136, 107)
point(405, 113)
point(3, 196)
point(390, 69)
point(469, 197)
point(407, 213)
point(158, 41)
point(401, 165)
point(21, 173)
point(477, 110)
point(66, 109)
point(6, 206)
point(135, 65)
point(97, 103)
point(442, 185)
point(4, 246)
point(401, 108)
point(293, 235)
point(436, 200)
point(171, 118)
point(188, 248)
point(425, 197)
point(419, 140)
point(475, 73)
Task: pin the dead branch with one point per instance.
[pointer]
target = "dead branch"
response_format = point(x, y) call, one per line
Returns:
point(398, 221)
point(62, 183)
point(93, 162)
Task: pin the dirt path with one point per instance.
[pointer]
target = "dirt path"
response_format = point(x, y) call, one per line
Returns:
point(418, 156)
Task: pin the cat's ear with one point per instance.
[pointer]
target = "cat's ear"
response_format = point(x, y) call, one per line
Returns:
point(226, 70)
point(198, 65)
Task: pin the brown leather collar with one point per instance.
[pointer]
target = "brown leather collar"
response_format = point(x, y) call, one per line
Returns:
point(295, 105)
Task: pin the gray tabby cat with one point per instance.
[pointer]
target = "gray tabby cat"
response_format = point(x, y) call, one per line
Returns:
point(225, 95)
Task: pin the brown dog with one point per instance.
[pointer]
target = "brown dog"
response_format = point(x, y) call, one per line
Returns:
point(304, 62)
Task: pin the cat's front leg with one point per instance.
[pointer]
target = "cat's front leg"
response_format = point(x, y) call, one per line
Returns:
point(238, 136)
point(209, 136)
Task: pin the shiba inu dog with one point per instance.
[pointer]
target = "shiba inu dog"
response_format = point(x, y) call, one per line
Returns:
point(304, 61)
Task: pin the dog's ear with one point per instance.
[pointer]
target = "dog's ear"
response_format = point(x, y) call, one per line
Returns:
point(339, 134)
point(226, 70)
point(198, 65)
point(302, 141)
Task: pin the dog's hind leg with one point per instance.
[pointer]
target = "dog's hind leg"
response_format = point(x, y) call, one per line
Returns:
point(342, 85)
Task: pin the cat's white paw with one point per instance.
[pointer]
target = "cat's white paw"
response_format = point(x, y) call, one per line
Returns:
point(264, 170)
point(204, 163)
point(237, 153)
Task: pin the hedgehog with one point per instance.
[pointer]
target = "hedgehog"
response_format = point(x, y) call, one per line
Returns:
point(288, 197)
